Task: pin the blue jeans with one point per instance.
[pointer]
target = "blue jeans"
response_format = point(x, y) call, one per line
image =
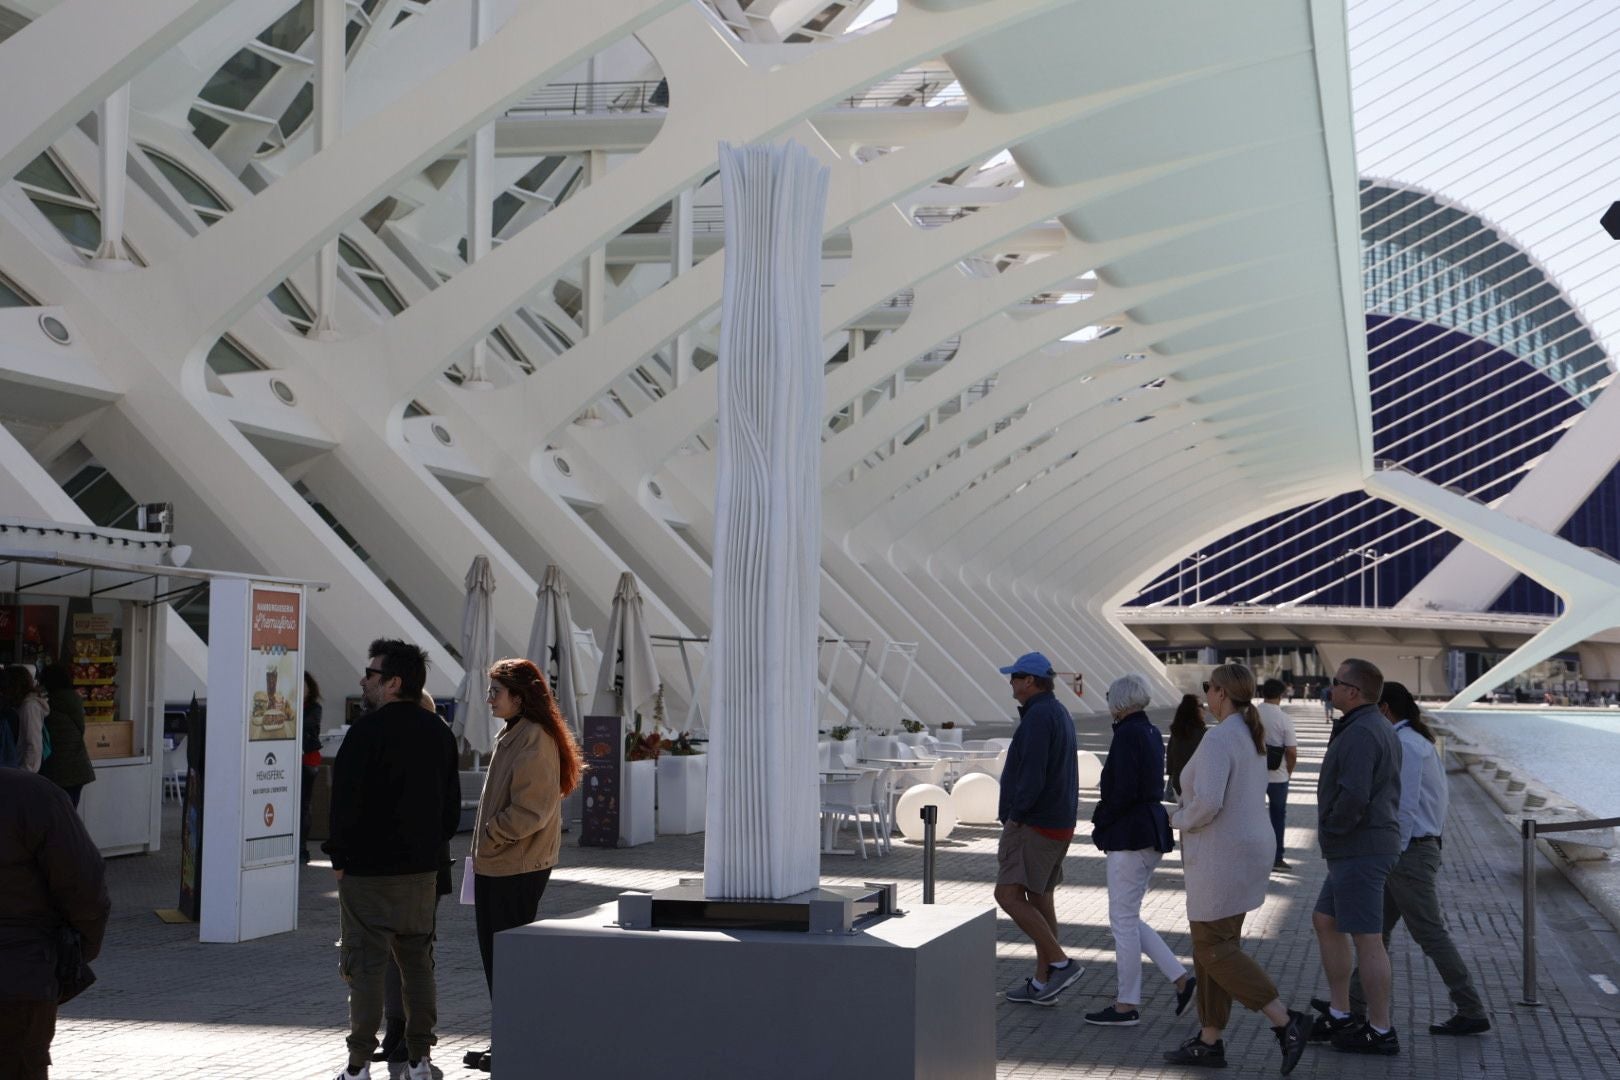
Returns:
point(1278, 795)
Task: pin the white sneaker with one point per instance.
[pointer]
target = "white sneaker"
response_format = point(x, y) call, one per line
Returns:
point(345, 1074)
point(422, 1070)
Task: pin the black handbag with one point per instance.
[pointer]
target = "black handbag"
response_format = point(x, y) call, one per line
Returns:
point(73, 975)
point(1274, 757)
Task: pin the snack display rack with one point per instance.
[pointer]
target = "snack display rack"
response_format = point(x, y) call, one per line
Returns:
point(97, 648)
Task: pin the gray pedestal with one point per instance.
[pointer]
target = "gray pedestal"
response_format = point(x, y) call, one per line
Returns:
point(910, 996)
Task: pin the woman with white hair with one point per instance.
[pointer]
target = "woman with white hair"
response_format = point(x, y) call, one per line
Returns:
point(1130, 824)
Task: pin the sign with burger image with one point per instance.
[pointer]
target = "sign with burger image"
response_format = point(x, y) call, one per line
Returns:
point(274, 691)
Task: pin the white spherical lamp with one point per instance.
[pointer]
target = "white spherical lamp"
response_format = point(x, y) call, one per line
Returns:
point(908, 811)
point(976, 798)
point(1090, 768)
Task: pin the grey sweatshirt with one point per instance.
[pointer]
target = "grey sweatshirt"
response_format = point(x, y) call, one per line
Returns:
point(1358, 793)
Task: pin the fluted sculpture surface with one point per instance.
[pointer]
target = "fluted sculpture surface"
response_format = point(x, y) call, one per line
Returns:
point(761, 827)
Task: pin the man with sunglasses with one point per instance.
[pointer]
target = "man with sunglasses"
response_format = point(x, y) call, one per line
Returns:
point(1358, 796)
point(396, 801)
point(1040, 802)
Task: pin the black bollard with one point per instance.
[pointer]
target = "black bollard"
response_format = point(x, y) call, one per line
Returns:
point(930, 815)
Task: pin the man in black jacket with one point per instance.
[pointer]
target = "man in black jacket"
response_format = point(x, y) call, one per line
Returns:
point(51, 876)
point(396, 800)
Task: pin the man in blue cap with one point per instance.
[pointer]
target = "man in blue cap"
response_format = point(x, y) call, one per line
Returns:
point(1040, 797)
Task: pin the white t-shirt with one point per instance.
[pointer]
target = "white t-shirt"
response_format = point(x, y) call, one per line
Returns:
point(1279, 732)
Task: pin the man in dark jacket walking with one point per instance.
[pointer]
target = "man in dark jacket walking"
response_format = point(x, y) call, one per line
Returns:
point(1040, 801)
point(51, 878)
point(1358, 798)
point(396, 800)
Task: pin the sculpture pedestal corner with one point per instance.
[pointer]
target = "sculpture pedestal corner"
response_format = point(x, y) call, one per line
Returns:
point(909, 996)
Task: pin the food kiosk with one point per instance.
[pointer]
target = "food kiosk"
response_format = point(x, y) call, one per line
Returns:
point(99, 614)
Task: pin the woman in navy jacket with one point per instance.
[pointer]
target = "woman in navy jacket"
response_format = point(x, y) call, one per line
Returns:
point(1130, 824)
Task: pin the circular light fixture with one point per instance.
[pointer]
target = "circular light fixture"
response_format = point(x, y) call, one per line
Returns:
point(55, 329)
point(284, 392)
point(657, 492)
point(442, 433)
point(562, 465)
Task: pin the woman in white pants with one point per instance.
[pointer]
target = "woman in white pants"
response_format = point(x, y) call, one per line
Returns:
point(1131, 825)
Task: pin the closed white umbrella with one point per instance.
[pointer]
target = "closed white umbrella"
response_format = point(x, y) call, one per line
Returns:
point(474, 722)
point(551, 645)
point(628, 680)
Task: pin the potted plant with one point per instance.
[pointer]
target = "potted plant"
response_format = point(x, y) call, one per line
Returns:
point(844, 743)
point(683, 786)
point(638, 796)
point(912, 732)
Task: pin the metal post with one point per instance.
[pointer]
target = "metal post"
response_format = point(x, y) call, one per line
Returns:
point(930, 815)
point(1529, 832)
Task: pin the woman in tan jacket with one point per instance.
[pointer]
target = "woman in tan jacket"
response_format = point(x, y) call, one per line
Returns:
point(519, 830)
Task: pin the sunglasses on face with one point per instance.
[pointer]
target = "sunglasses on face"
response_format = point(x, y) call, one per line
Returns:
point(1347, 685)
point(370, 671)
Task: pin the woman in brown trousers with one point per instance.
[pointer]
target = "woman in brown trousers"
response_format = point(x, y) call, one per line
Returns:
point(1227, 846)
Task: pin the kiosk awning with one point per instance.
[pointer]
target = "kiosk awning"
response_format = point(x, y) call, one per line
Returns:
point(55, 573)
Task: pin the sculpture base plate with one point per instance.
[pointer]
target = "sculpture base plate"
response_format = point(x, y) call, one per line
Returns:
point(827, 910)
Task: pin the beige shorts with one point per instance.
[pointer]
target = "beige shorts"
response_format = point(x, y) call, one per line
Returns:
point(1025, 857)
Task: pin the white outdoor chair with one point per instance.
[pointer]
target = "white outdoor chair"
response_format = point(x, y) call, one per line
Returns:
point(174, 770)
point(857, 800)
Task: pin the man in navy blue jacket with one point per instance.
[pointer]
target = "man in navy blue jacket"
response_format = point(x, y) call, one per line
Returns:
point(1040, 801)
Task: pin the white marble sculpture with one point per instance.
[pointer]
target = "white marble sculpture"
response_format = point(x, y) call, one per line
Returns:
point(761, 840)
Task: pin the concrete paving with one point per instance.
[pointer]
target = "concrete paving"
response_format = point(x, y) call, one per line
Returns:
point(167, 1006)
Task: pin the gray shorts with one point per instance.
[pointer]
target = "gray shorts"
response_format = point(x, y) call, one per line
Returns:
point(1353, 893)
point(1025, 857)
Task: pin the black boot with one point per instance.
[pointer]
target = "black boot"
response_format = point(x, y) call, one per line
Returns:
point(392, 1047)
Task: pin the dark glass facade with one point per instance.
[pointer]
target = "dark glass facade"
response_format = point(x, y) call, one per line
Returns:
point(1476, 365)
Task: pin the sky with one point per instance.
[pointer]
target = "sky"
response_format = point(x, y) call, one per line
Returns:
point(1510, 108)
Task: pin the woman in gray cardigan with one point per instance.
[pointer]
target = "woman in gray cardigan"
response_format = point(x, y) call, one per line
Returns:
point(1227, 846)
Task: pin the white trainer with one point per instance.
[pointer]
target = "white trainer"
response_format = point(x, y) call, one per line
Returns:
point(345, 1074)
point(421, 1070)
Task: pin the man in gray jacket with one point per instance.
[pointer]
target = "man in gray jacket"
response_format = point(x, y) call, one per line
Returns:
point(1358, 797)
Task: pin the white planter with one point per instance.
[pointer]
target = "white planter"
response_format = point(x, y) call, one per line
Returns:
point(949, 735)
point(847, 751)
point(636, 803)
point(683, 793)
point(880, 747)
point(912, 738)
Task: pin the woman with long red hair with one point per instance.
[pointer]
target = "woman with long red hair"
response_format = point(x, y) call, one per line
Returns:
point(519, 829)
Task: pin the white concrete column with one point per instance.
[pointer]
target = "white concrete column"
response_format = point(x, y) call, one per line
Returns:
point(112, 129)
point(680, 262)
point(595, 280)
point(480, 198)
point(330, 17)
